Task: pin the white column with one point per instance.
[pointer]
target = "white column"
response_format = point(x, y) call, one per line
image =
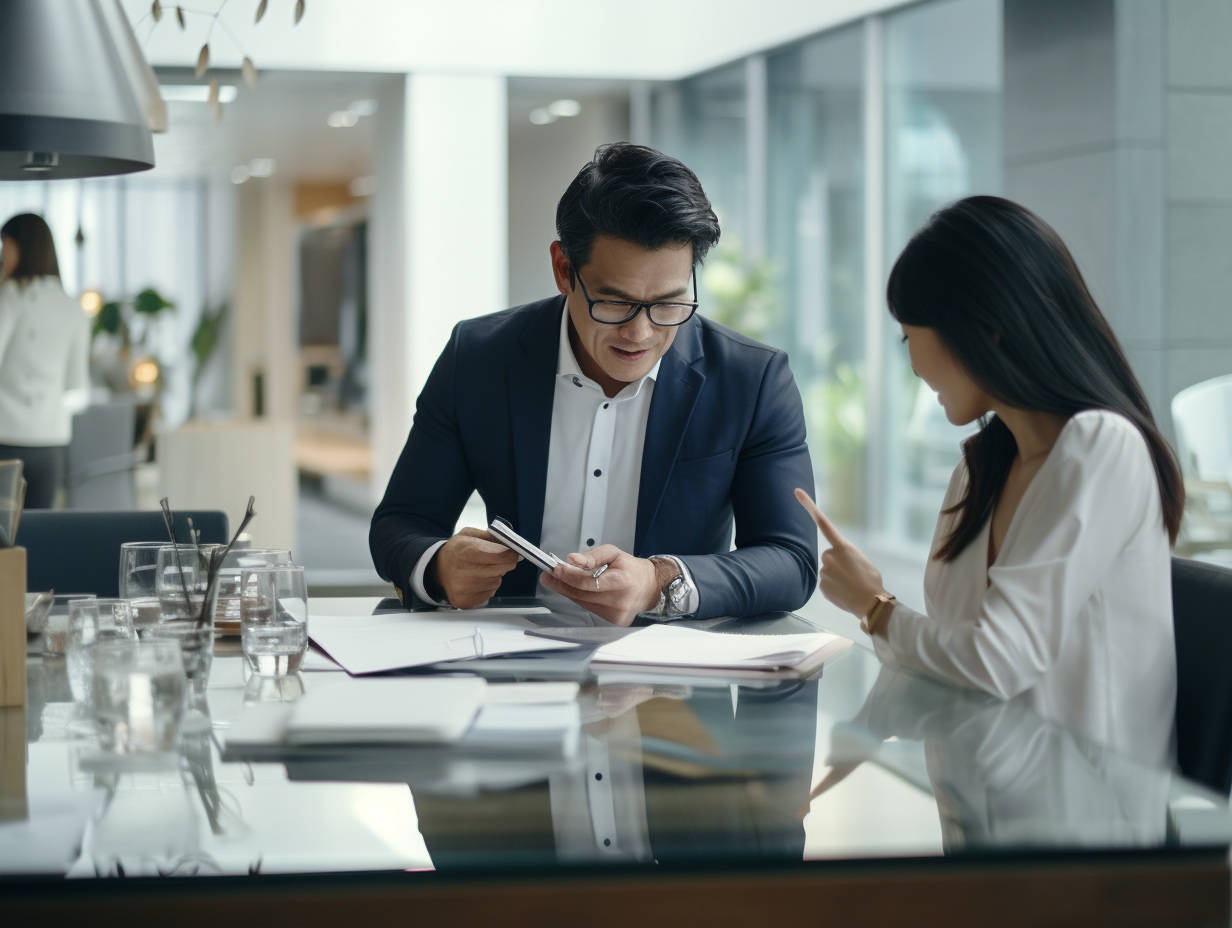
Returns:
point(264, 335)
point(439, 236)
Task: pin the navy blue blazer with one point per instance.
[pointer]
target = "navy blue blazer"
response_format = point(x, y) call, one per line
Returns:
point(725, 441)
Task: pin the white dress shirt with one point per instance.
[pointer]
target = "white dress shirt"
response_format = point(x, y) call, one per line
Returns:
point(594, 471)
point(1076, 611)
point(44, 340)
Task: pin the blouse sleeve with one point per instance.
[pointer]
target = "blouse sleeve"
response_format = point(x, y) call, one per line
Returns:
point(1085, 505)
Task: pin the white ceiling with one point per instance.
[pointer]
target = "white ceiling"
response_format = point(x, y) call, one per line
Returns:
point(284, 118)
point(649, 39)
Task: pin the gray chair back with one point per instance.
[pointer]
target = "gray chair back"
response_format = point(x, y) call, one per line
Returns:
point(100, 457)
point(1202, 624)
point(78, 551)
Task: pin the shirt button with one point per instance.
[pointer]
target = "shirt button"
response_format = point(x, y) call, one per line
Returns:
point(598, 473)
point(576, 382)
point(606, 405)
point(590, 542)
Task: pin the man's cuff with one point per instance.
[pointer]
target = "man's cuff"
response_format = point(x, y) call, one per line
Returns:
point(692, 598)
point(417, 575)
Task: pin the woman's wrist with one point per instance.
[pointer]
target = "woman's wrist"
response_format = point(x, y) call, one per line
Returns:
point(876, 619)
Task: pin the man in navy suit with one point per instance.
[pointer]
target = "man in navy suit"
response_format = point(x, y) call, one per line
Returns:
point(613, 422)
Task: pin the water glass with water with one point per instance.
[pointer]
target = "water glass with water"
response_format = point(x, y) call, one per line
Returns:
point(138, 581)
point(55, 633)
point(274, 611)
point(186, 603)
point(227, 611)
point(181, 572)
point(138, 693)
point(91, 623)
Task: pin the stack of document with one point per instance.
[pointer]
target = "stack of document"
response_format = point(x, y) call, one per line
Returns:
point(528, 717)
point(465, 714)
point(405, 710)
point(395, 641)
point(677, 649)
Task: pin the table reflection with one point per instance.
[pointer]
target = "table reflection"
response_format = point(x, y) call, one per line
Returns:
point(1003, 778)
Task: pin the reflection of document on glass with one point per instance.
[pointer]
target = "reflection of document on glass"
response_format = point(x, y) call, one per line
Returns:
point(679, 649)
point(374, 643)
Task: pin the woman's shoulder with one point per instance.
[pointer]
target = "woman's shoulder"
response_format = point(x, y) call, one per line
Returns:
point(1100, 432)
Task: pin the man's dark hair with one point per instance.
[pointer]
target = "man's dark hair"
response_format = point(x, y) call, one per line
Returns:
point(637, 194)
point(36, 251)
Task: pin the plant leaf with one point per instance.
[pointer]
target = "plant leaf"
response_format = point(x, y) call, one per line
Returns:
point(261, 10)
point(179, 17)
point(203, 60)
point(299, 11)
point(250, 72)
point(156, 10)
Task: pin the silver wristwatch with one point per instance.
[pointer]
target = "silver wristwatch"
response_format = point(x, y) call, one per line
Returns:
point(674, 597)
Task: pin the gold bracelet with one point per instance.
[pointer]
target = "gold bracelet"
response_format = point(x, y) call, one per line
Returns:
point(876, 618)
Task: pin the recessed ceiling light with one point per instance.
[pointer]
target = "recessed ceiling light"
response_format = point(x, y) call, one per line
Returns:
point(541, 117)
point(564, 108)
point(342, 119)
point(195, 93)
point(261, 167)
point(240, 173)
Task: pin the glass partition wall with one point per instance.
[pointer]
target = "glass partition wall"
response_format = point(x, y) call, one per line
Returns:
point(850, 139)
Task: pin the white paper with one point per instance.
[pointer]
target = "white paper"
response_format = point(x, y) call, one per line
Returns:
point(677, 646)
point(373, 643)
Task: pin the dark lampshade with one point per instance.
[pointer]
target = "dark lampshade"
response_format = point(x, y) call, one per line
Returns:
point(67, 107)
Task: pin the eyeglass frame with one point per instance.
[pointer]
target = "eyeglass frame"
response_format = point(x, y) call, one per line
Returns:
point(636, 306)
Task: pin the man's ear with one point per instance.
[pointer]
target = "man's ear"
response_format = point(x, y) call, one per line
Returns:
point(560, 269)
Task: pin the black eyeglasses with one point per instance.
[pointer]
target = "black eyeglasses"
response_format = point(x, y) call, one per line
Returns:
point(618, 312)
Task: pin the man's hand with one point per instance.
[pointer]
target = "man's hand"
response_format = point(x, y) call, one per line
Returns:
point(469, 567)
point(629, 586)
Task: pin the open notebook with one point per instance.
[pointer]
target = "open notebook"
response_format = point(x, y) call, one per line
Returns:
point(677, 649)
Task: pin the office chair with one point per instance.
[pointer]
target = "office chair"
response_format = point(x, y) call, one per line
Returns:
point(100, 457)
point(78, 551)
point(1202, 624)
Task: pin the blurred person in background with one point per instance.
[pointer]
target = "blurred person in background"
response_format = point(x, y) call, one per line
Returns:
point(44, 341)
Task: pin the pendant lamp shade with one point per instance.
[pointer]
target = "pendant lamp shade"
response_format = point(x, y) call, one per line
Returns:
point(67, 107)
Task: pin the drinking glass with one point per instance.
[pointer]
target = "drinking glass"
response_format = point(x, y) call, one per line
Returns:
point(92, 622)
point(138, 691)
point(274, 611)
point(186, 601)
point(227, 611)
point(138, 581)
point(181, 572)
point(55, 634)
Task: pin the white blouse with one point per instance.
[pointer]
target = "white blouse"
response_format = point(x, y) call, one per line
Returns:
point(44, 379)
point(1076, 611)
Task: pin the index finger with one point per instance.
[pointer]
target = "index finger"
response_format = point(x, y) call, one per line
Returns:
point(826, 526)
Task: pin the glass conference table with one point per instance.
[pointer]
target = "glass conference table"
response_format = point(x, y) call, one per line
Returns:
point(864, 790)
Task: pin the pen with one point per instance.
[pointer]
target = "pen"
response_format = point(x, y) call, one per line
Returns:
point(598, 573)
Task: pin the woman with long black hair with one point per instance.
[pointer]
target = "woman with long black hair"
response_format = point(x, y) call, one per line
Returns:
point(44, 343)
point(1049, 573)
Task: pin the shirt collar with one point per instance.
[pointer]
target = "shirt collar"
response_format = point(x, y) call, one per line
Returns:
point(567, 364)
